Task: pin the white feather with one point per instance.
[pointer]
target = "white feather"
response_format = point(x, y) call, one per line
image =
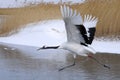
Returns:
point(71, 18)
point(90, 21)
point(61, 9)
point(71, 12)
point(72, 15)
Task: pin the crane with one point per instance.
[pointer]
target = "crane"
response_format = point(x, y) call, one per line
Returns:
point(80, 34)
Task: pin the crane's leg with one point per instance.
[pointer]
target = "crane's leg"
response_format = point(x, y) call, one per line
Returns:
point(50, 47)
point(73, 64)
point(95, 59)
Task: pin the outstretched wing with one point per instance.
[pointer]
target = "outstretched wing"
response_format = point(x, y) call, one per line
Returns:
point(72, 18)
point(75, 26)
point(90, 25)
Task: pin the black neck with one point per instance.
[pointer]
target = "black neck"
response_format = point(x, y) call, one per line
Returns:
point(83, 44)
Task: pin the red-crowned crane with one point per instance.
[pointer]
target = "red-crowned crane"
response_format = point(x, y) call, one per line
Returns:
point(80, 34)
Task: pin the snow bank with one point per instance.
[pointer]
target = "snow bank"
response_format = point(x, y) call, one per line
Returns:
point(39, 34)
point(106, 46)
point(52, 33)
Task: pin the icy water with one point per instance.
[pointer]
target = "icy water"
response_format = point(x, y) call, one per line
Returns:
point(15, 65)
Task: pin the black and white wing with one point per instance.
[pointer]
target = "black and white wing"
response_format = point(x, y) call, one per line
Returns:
point(78, 30)
point(90, 25)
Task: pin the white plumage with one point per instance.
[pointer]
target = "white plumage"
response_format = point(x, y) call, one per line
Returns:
point(73, 19)
point(80, 34)
point(77, 49)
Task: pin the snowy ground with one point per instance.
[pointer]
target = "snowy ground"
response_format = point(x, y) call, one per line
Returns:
point(52, 33)
point(22, 3)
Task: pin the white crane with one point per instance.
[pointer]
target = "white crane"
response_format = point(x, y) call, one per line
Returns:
point(80, 34)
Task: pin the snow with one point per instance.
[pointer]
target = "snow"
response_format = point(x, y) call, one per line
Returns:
point(22, 3)
point(39, 34)
point(106, 46)
point(51, 33)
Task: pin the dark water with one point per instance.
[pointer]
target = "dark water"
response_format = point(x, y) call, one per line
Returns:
point(14, 65)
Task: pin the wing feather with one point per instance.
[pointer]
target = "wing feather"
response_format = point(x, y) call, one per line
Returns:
point(74, 25)
point(90, 21)
point(90, 25)
point(71, 18)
